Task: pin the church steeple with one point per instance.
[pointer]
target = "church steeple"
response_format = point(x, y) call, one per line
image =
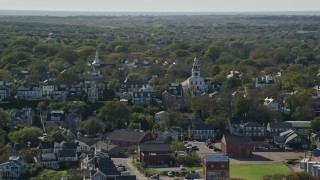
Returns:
point(96, 61)
point(196, 68)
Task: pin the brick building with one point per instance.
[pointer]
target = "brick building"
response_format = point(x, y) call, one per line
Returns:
point(216, 167)
point(236, 146)
point(155, 154)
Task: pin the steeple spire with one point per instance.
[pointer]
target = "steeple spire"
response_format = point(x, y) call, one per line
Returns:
point(96, 61)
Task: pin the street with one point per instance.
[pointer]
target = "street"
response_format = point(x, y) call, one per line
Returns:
point(130, 168)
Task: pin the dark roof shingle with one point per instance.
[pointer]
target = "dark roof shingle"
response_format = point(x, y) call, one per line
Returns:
point(154, 147)
point(234, 139)
point(127, 136)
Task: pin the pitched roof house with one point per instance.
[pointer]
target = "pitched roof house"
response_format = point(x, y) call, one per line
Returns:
point(22, 117)
point(129, 138)
point(275, 128)
point(14, 168)
point(201, 131)
point(5, 91)
point(291, 139)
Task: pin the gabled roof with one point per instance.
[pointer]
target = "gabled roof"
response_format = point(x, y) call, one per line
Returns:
point(252, 124)
point(48, 144)
point(240, 119)
point(287, 132)
point(125, 178)
point(300, 124)
point(280, 125)
point(234, 139)
point(153, 147)
point(69, 145)
point(202, 126)
point(127, 136)
point(67, 153)
point(20, 146)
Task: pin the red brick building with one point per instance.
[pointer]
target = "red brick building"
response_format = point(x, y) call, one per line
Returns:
point(216, 167)
point(155, 154)
point(129, 138)
point(236, 146)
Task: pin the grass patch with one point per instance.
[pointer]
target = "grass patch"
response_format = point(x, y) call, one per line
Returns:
point(49, 174)
point(195, 168)
point(257, 171)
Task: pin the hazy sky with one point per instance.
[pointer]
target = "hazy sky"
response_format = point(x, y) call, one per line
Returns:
point(163, 5)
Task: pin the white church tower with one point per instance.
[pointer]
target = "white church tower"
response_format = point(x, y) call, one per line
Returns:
point(196, 68)
point(196, 82)
point(96, 61)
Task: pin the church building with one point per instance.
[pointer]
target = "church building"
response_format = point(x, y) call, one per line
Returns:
point(196, 83)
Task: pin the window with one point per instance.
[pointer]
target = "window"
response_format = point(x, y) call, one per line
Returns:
point(212, 165)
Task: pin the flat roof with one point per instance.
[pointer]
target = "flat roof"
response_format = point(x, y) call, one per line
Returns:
point(216, 158)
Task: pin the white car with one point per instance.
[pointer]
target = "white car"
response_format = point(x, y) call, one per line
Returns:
point(288, 149)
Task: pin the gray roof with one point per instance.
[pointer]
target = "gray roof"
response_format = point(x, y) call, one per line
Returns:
point(299, 124)
point(216, 158)
point(316, 152)
point(202, 126)
point(280, 125)
point(252, 124)
point(154, 147)
point(67, 153)
point(234, 139)
point(127, 136)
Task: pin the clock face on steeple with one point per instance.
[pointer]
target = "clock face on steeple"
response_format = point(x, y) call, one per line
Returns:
point(196, 74)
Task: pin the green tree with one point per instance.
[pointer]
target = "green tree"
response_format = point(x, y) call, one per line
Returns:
point(93, 126)
point(27, 155)
point(56, 136)
point(27, 134)
point(315, 124)
point(4, 119)
point(5, 152)
point(177, 146)
point(213, 52)
point(115, 112)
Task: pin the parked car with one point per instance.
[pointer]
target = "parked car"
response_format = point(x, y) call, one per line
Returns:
point(210, 147)
point(156, 176)
point(182, 168)
point(288, 149)
point(195, 148)
point(125, 173)
point(170, 174)
point(121, 169)
point(273, 148)
point(217, 149)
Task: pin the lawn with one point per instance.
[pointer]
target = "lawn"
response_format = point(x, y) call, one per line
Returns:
point(49, 174)
point(257, 171)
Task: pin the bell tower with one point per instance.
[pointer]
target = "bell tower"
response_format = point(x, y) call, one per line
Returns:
point(196, 68)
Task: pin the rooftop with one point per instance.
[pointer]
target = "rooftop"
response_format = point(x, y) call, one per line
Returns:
point(216, 158)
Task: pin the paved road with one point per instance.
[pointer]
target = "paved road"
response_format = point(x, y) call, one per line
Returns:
point(130, 168)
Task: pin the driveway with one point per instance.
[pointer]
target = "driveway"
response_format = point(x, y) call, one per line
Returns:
point(127, 162)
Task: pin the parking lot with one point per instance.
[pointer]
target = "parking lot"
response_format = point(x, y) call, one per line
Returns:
point(203, 149)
